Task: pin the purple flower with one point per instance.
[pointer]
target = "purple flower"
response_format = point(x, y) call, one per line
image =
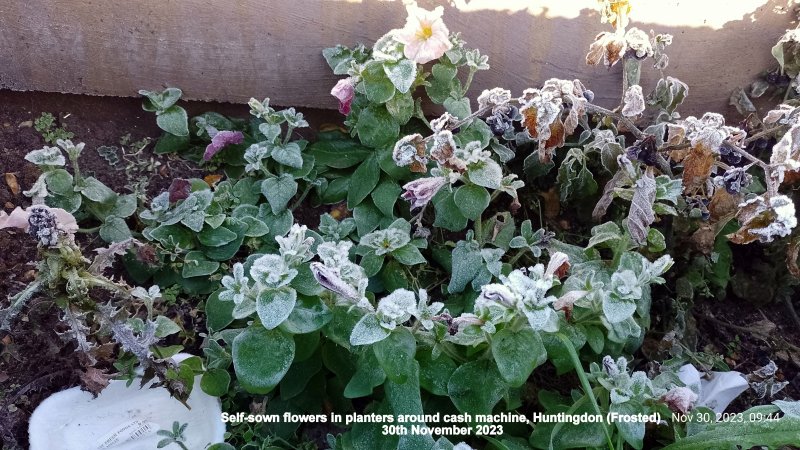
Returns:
point(221, 140)
point(344, 91)
point(419, 192)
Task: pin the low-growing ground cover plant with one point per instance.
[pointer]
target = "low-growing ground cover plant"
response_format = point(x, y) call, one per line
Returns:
point(437, 278)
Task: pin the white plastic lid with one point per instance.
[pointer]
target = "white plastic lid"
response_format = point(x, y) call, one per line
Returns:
point(123, 418)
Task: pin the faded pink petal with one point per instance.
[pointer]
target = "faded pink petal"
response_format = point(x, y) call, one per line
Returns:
point(221, 140)
point(344, 91)
point(419, 192)
point(680, 399)
point(19, 218)
point(425, 37)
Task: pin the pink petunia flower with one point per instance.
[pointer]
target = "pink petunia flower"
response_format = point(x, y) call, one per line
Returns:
point(424, 36)
point(344, 91)
point(221, 140)
point(420, 191)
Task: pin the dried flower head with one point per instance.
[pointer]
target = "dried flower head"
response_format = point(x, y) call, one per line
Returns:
point(764, 219)
point(680, 399)
point(411, 151)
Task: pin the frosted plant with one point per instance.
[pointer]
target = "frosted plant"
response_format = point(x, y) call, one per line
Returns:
point(385, 241)
point(341, 276)
point(295, 247)
point(426, 313)
point(272, 271)
point(396, 308)
point(237, 287)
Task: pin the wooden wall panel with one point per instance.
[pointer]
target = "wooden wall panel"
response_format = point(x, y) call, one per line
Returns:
point(230, 50)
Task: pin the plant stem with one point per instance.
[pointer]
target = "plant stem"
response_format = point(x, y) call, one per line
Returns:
point(467, 84)
point(88, 230)
point(17, 302)
point(576, 362)
point(637, 133)
point(302, 197)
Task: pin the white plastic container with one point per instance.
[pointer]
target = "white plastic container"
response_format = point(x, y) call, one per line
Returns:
point(715, 392)
point(123, 418)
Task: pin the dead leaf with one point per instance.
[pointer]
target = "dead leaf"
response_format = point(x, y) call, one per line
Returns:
point(641, 213)
point(179, 189)
point(212, 180)
point(529, 120)
point(703, 238)
point(94, 380)
point(697, 168)
point(723, 204)
point(792, 253)
point(11, 181)
point(552, 203)
point(332, 127)
point(25, 124)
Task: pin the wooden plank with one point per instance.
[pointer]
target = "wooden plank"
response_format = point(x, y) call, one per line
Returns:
point(230, 50)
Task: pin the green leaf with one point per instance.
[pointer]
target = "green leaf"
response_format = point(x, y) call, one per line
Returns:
point(467, 262)
point(385, 195)
point(408, 255)
point(368, 376)
point(299, 375)
point(402, 74)
point(486, 173)
point(476, 387)
point(401, 107)
point(59, 181)
point(288, 155)
point(471, 200)
point(278, 191)
point(170, 235)
point(405, 399)
point(95, 190)
point(632, 432)
point(222, 446)
point(395, 354)
point(274, 306)
point(218, 312)
point(367, 217)
point(367, 331)
point(371, 263)
point(170, 143)
point(458, 107)
point(196, 265)
point(114, 229)
point(215, 382)
point(435, 373)
point(125, 206)
point(733, 434)
point(174, 120)
point(376, 127)
point(363, 181)
point(448, 215)
point(215, 237)
point(517, 353)
point(309, 314)
point(339, 153)
point(165, 327)
point(261, 358)
point(377, 85)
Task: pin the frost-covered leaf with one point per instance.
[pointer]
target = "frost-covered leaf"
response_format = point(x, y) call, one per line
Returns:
point(401, 74)
point(368, 330)
point(288, 155)
point(634, 101)
point(486, 173)
point(275, 305)
point(47, 156)
point(641, 214)
point(261, 358)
